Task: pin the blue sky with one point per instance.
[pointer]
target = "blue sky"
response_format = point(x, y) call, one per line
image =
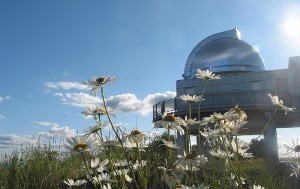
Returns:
point(47, 48)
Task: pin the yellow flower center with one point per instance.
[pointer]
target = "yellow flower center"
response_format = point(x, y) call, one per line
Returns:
point(297, 148)
point(101, 110)
point(80, 146)
point(169, 118)
point(135, 132)
point(100, 80)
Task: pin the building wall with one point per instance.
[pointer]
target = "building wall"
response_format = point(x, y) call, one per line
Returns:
point(246, 88)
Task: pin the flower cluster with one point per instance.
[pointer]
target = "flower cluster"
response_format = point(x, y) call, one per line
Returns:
point(121, 159)
point(228, 123)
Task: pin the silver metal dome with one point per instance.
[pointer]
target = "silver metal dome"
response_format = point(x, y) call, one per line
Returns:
point(223, 52)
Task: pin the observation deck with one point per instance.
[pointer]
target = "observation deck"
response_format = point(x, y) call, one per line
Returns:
point(244, 83)
point(248, 91)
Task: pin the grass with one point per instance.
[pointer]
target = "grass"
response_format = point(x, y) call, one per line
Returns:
point(43, 168)
point(37, 167)
point(127, 163)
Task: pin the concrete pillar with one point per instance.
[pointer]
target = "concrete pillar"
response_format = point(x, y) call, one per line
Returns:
point(180, 143)
point(201, 144)
point(198, 140)
point(270, 145)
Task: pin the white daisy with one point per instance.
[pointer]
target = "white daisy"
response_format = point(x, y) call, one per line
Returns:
point(94, 163)
point(71, 183)
point(206, 74)
point(140, 145)
point(211, 134)
point(219, 154)
point(190, 162)
point(135, 136)
point(78, 144)
point(139, 165)
point(258, 187)
point(190, 99)
point(96, 83)
point(231, 127)
point(169, 121)
point(123, 173)
point(279, 104)
point(240, 148)
point(170, 177)
point(92, 130)
point(188, 122)
point(169, 144)
point(102, 165)
point(121, 163)
point(216, 117)
point(235, 114)
point(107, 186)
point(202, 186)
point(295, 167)
point(108, 142)
point(102, 177)
point(292, 148)
point(97, 111)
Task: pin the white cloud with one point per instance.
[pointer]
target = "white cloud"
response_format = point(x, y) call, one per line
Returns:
point(2, 117)
point(130, 103)
point(4, 98)
point(78, 99)
point(12, 140)
point(124, 102)
point(67, 85)
point(47, 124)
point(57, 131)
point(58, 94)
point(54, 131)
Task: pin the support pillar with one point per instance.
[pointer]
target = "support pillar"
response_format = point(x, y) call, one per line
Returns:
point(200, 144)
point(180, 143)
point(271, 146)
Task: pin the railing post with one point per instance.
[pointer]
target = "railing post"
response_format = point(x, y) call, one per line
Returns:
point(175, 104)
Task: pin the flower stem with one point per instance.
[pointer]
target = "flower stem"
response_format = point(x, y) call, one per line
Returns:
point(86, 167)
point(230, 163)
point(169, 150)
point(267, 124)
point(109, 118)
point(202, 92)
point(116, 133)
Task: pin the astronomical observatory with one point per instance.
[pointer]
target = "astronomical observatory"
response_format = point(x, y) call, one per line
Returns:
point(245, 83)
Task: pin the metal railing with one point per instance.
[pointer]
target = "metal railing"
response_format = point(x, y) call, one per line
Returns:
point(217, 101)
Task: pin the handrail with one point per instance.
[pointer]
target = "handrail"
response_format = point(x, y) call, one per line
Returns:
point(215, 101)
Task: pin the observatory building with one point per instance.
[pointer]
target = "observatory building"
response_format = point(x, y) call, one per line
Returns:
point(245, 83)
